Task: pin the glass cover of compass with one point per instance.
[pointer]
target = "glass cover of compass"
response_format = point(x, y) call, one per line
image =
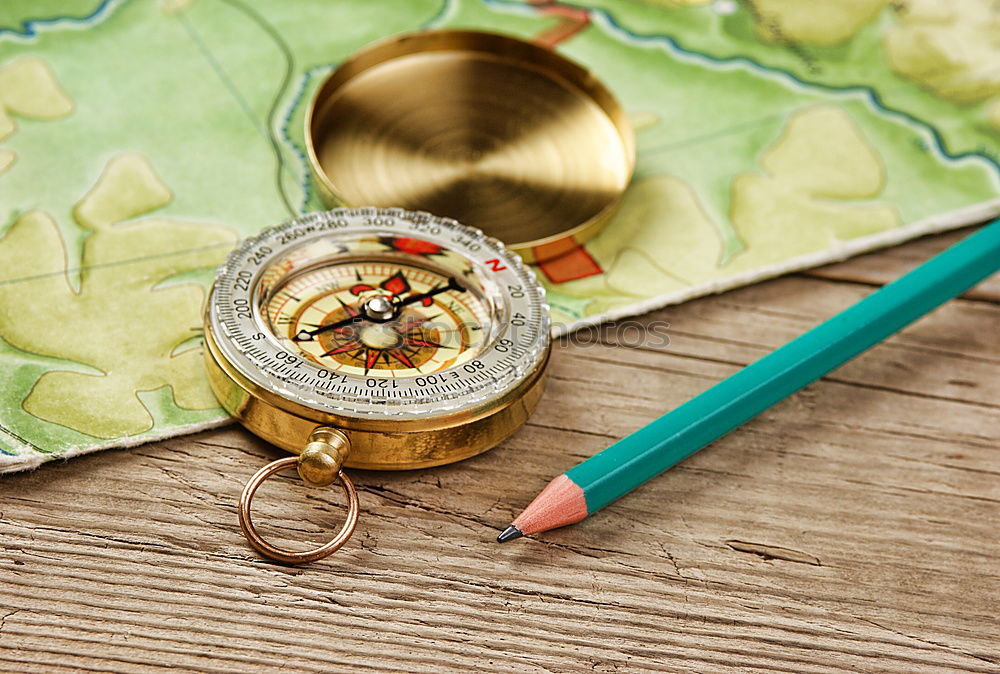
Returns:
point(423, 340)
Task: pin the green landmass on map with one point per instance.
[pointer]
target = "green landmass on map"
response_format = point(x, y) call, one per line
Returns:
point(786, 37)
point(139, 139)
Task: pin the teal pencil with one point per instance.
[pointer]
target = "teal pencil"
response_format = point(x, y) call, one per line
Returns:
point(591, 485)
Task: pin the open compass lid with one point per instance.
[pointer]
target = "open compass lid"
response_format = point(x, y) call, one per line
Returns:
point(493, 131)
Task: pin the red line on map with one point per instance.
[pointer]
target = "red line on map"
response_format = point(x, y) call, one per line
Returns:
point(572, 21)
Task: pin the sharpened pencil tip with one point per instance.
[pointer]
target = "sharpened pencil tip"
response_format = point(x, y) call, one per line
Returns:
point(509, 534)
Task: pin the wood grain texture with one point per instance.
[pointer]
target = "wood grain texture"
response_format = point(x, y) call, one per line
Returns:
point(853, 527)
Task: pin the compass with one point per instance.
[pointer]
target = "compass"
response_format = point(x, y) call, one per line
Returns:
point(373, 338)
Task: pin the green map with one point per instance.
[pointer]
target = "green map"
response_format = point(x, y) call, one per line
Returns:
point(141, 139)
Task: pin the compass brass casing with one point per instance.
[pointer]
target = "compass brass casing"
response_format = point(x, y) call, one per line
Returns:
point(498, 133)
point(377, 445)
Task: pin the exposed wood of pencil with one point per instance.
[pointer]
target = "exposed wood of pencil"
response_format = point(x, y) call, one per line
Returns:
point(560, 504)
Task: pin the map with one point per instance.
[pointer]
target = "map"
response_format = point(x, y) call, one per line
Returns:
point(141, 139)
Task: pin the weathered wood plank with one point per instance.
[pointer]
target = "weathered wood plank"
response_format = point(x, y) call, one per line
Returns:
point(852, 527)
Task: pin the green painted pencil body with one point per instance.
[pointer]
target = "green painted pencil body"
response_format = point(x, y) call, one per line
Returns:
point(675, 436)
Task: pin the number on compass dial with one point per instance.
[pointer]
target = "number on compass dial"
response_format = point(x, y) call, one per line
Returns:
point(379, 319)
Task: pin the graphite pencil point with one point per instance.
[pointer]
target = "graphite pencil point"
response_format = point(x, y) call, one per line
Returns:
point(509, 534)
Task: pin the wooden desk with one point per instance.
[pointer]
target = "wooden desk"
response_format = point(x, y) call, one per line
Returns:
point(853, 527)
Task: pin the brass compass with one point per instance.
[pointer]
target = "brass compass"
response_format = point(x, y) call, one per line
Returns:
point(377, 339)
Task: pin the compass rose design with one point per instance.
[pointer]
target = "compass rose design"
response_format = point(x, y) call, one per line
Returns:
point(380, 319)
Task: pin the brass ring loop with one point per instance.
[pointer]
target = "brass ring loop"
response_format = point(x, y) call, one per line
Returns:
point(289, 556)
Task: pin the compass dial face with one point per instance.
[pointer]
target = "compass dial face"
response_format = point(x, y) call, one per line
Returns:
point(424, 326)
point(380, 314)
